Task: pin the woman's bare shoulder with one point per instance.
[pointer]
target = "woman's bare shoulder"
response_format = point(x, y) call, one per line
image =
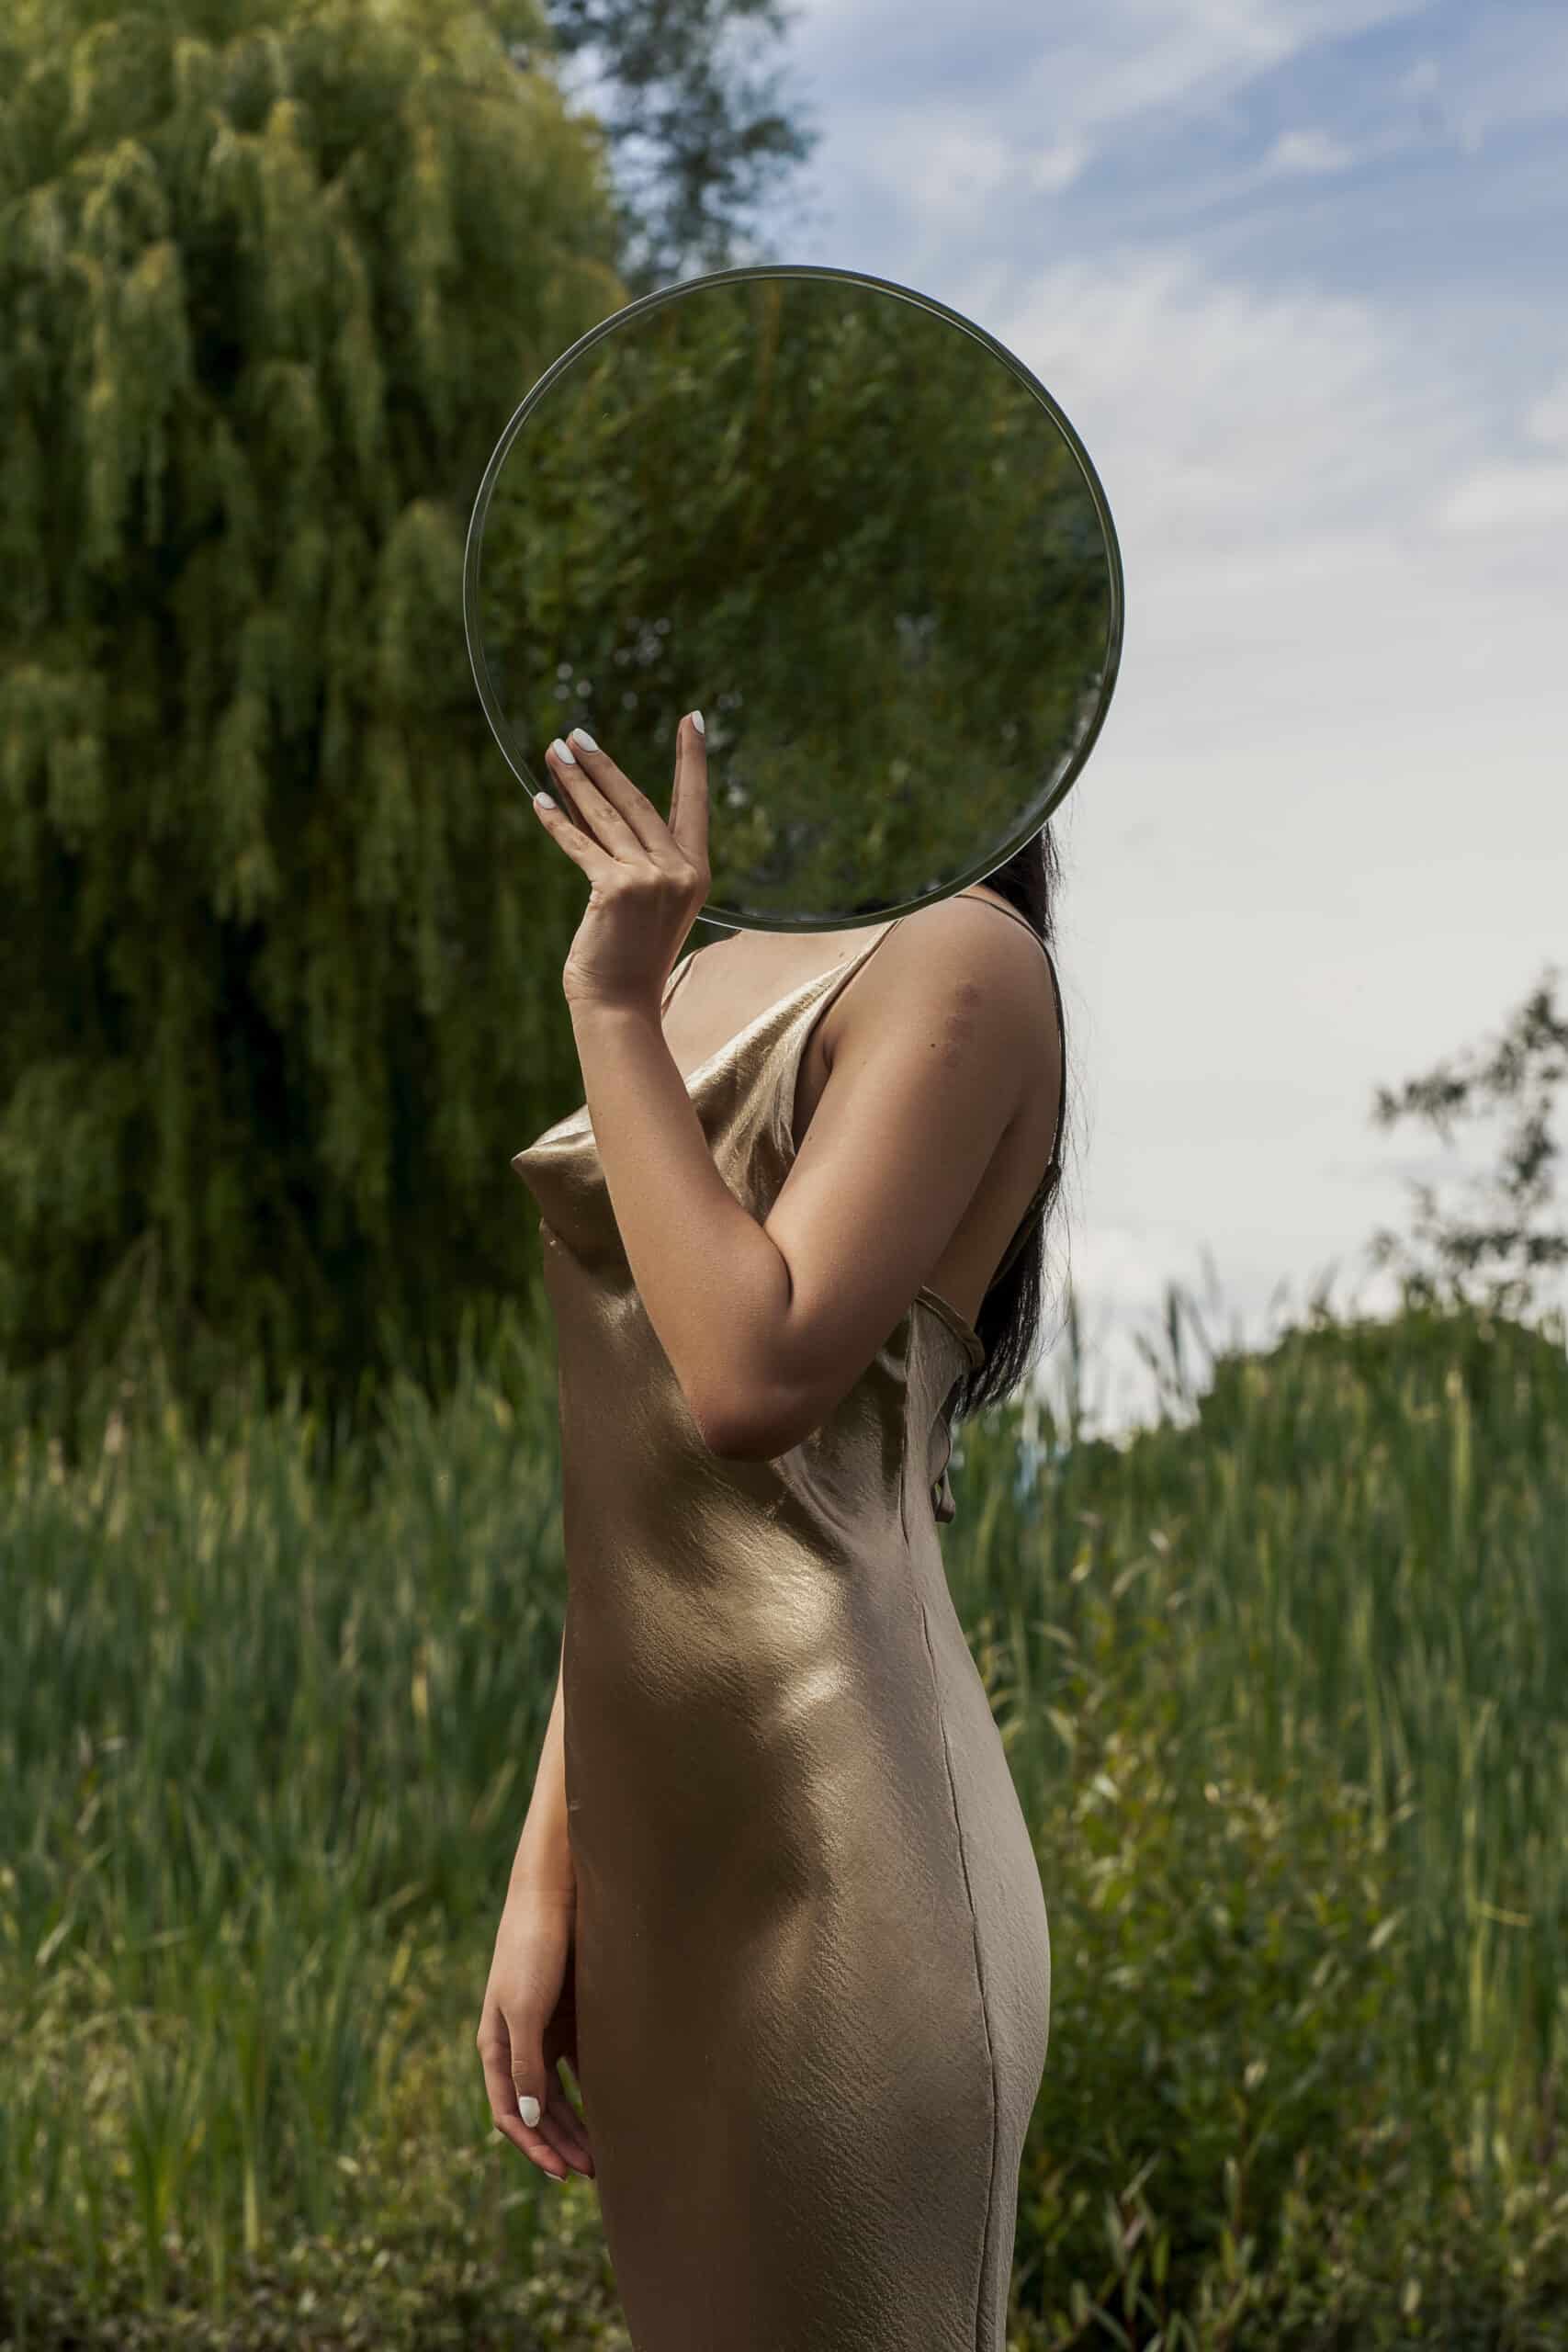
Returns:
point(943, 967)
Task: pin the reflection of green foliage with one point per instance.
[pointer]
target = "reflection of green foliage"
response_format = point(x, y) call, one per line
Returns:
point(873, 560)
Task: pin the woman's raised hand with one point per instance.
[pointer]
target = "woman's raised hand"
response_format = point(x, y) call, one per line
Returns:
point(650, 878)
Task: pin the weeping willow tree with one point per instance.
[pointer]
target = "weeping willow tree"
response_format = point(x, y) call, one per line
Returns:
point(273, 276)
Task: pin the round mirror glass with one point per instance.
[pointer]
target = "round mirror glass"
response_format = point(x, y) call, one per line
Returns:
point(850, 528)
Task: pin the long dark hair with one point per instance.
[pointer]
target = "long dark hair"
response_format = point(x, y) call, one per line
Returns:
point(1009, 1319)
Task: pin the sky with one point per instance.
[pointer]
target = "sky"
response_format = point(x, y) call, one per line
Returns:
point(1295, 271)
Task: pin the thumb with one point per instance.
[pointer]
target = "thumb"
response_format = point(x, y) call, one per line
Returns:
point(528, 2078)
point(531, 2083)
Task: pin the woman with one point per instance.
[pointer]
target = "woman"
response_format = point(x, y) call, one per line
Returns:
point(794, 1942)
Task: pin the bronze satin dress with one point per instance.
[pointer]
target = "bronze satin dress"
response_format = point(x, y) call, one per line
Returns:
point(813, 1965)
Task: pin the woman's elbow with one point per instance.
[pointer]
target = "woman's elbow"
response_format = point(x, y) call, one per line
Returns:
point(738, 1427)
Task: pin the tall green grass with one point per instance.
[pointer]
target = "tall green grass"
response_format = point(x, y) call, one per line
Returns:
point(1354, 1559)
point(1284, 1688)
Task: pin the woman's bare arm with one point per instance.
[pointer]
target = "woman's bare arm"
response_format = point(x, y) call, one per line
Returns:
point(543, 1863)
point(766, 1327)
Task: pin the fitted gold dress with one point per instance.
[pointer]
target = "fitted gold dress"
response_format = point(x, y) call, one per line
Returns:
point(813, 1965)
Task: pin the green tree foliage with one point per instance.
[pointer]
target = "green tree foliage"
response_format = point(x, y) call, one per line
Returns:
point(699, 135)
point(273, 276)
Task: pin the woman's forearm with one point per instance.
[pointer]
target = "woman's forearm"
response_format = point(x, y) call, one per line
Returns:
point(543, 1863)
point(716, 1287)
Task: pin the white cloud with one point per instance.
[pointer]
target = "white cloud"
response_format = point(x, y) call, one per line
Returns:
point(1548, 419)
point(1298, 590)
point(1508, 498)
point(1228, 422)
point(1511, 68)
point(1057, 167)
point(1083, 69)
point(1108, 61)
point(1310, 152)
point(959, 164)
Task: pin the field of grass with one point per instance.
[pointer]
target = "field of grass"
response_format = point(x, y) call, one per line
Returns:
point(1284, 1689)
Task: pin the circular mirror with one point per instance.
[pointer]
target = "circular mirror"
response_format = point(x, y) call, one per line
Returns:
point(850, 528)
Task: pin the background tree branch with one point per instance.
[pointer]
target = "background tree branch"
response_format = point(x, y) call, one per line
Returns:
point(699, 134)
point(1496, 1257)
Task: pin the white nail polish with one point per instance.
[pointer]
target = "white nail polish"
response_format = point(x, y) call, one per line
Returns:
point(530, 2110)
point(698, 722)
point(580, 735)
point(564, 752)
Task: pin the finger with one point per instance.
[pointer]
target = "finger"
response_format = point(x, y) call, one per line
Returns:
point(566, 2132)
point(575, 2120)
point(548, 2135)
point(579, 846)
point(503, 2108)
point(598, 819)
point(495, 2056)
point(572, 786)
point(560, 2131)
point(689, 799)
point(608, 797)
point(545, 2115)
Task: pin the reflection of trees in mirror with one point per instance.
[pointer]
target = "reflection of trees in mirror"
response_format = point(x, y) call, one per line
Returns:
point(785, 470)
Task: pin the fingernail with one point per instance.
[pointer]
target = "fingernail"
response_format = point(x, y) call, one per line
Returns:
point(564, 752)
point(580, 735)
point(698, 722)
point(530, 2110)
point(545, 799)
